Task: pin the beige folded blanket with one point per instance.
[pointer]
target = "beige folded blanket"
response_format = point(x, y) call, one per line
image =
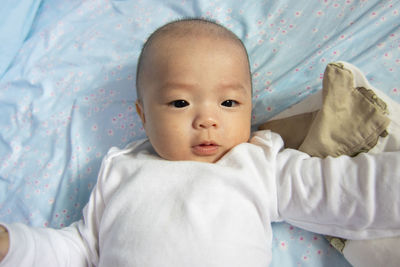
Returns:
point(349, 122)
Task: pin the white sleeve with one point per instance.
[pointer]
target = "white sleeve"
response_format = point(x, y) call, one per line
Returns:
point(44, 247)
point(355, 198)
point(73, 246)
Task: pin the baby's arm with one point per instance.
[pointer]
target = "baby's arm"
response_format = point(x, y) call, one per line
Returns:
point(31, 246)
point(4, 242)
point(76, 245)
point(355, 198)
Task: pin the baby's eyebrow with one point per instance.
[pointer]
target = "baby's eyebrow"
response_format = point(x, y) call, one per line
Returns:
point(236, 87)
point(177, 85)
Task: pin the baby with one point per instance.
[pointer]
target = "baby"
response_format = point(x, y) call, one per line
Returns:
point(194, 91)
point(198, 192)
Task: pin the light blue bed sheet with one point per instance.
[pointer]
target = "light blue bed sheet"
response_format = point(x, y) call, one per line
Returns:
point(67, 92)
point(16, 19)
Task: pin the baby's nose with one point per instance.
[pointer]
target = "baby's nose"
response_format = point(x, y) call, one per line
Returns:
point(205, 122)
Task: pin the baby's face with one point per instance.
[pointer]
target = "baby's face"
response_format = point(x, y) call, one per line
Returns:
point(196, 98)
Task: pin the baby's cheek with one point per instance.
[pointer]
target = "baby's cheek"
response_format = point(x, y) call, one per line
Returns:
point(240, 135)
point(169, 145)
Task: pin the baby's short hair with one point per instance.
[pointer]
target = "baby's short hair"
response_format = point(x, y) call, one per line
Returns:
point(183, 28)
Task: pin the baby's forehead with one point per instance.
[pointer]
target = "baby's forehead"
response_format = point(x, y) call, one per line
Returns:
point(184, 32)
point(170, 49)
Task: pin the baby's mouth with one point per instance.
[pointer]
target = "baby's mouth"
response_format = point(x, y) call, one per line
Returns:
point(207, 148)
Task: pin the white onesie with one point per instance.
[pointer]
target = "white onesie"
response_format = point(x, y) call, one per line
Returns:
point(146, 211)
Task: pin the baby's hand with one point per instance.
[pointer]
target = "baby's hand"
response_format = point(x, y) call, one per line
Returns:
point(4, 243)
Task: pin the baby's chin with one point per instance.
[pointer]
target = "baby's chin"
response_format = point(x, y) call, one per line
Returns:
point(193, 157)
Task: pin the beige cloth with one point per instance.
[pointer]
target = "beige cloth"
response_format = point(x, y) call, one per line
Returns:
point(349, 122)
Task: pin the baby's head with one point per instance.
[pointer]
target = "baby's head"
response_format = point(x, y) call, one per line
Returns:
point(194, 91)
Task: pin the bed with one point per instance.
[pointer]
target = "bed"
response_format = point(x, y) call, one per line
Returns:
point(67, 74)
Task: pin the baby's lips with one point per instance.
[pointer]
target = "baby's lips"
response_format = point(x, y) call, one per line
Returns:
point(207, 148)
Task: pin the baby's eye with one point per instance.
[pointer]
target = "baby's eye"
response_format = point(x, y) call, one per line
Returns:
point(179, 103)
point(229, 103)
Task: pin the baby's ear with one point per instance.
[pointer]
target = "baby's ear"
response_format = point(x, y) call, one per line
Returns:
point(140, 110)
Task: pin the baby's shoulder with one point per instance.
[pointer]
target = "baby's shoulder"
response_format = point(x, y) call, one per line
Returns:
point(131, 156)
point(267, 139)
point(133, 149)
